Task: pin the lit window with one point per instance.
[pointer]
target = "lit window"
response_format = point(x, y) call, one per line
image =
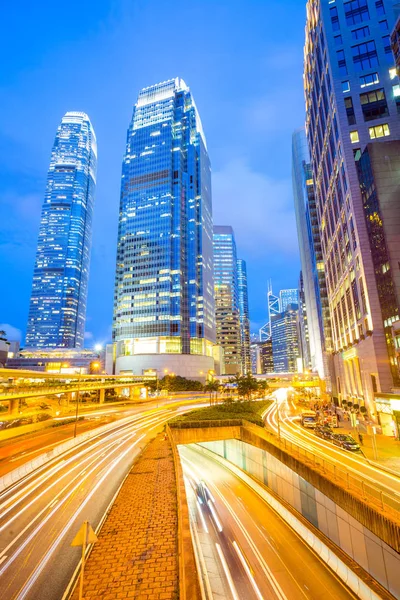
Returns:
point(392, 73)
point(370, 79)
point(396, 91)
point(379, 131)
point(354, 136)
point(345, 86)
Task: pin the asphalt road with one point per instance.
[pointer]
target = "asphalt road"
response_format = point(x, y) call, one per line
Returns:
point(40, 515)
point(354, 463)
point(247, 551)
point(16, 451)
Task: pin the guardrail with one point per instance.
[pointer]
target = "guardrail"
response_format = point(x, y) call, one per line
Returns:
point(370, 493)
point(16, 392)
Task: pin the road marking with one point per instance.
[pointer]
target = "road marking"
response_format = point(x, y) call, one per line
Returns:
point(227, 572)
point(248, 572)
point(2, 559)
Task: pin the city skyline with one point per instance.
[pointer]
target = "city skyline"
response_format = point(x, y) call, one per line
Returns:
point(234, 152)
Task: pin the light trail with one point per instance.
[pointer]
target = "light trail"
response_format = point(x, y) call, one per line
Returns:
point(227, 572)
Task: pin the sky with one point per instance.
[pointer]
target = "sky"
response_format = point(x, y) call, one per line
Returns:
point(242, 60)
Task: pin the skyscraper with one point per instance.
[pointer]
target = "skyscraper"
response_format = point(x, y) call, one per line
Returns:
point(57, 309)
point(285, 340)
point(312, 264)
point(287, 297)
point(244, 315)
point(227, 314)
point(304, 332)
point(164, 296)
point(350, 92)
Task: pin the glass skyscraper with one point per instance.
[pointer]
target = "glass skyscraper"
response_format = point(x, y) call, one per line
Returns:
point(312, 264)
point(164, 296)
point(285, 340)
point(287, 297)
point(351, 100)
point(227, 313)
point(244, 315)
point(57, 309)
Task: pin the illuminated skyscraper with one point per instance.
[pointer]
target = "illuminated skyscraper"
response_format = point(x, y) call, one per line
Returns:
point(164, 294)
point(351, 94)
point(285, 340)
point(60, 282)
point(287, 297)
point(227, 313)
point(244, 315)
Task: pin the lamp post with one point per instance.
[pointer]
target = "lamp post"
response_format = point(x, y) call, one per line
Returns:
point(77, 400)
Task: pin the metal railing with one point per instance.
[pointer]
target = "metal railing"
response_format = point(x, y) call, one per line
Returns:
point(368, 492)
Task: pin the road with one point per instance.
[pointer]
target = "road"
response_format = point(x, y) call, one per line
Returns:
point(40, 515)
point(16, 451)
point(246, 549)
point(291, 429)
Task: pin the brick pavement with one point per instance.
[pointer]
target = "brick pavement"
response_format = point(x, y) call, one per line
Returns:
point(136, 555)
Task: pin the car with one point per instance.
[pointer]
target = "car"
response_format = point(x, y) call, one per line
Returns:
point(345, 441)
point(324, 432)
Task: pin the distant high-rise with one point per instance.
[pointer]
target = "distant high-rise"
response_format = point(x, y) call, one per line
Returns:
point(287, 297)
point(164, 295)
point(244, 315)
point(227, 314)
point(312, 265)
point(351, 94)
point(57, 309)
point(285, 340)
point(304, 332)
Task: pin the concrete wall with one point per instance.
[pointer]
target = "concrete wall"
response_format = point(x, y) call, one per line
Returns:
point(192, 366)
point(356, 540)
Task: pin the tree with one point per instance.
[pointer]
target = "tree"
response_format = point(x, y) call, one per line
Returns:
point(263, 386)
point(3, 335)
point(246, 385)
point(213, 388)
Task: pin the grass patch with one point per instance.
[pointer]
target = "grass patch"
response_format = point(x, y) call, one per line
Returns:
point(250, 411)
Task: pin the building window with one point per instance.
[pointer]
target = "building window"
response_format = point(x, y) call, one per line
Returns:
point(361, 33)
point(396, 96)
point(357, 154)
point(384, 25)
point(379, 131)
point(356, 12)
point(387, 48)
point(341, 62)
point(345, 86)
point(354, 137)
point(335, 19)
point(374, 105)
point(370, 79)
point(351, 117)
point(380, 9)
point(365, 56)
point(338, 40)
point(392, 73)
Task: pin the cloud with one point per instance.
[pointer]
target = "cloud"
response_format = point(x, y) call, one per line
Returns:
point(88, 335)
point(259, 208)
point(13, 333)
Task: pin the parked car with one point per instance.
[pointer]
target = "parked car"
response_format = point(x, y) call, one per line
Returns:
point(324, 432)
point(345, 441)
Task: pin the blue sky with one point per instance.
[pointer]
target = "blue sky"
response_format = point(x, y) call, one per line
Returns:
point(243, 61)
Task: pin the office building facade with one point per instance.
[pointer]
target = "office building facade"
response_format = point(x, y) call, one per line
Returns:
point(57, 309)
point(350, 92)
point(227, 312)
point(244, 315)
point(287, 297)
point(312, 264)
point(164, 296)
point(285, 340)
point(303, 327)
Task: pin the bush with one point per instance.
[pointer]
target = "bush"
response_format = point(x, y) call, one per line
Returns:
point(42, 417)
point(250, 411)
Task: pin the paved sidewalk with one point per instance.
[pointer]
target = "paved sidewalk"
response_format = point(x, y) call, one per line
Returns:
point(136, 555)
point(388, 448)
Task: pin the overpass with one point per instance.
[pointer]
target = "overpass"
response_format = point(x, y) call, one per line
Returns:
point(16, 385)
